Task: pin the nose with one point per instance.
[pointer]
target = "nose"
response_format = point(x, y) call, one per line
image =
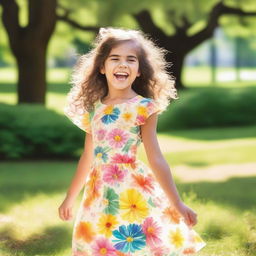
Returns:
point(123, 64)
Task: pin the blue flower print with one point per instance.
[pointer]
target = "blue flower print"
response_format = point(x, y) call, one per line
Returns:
point(145, 101)
point(111, 115)
point(100, 153)
point(130, 238)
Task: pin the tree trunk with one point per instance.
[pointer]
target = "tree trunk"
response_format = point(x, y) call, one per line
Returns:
point(176, 59)
point(31, 73)
point(29, 45)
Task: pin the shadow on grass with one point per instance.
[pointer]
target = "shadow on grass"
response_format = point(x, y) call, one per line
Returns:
point(11, 195)
point(237, 193)
point(21, 180)
point(50, 241)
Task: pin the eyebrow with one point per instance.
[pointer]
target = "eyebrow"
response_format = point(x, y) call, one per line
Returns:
point(116, 55)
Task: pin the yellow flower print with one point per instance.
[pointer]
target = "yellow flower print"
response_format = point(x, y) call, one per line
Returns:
point(176, 238)
point(127, 116)
point(108, 110)
point(86, 120)
point(133, 205)
point(107, 222)
point(142, 111)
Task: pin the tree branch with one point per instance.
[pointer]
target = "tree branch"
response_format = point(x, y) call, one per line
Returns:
point(77, 25)
point(148, 26)
point(65, 17)
point(218, 10)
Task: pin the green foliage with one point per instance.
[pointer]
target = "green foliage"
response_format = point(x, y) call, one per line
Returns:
point(32, 131)
point(211, 107)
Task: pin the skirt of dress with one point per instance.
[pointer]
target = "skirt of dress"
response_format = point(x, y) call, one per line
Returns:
point(124, 212)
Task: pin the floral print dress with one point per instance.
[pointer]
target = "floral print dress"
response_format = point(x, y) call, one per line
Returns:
point(124, 211)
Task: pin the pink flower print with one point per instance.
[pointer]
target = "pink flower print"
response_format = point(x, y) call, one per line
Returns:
point(133, 149)
point(117, 138)
point(113, 174)
point(159, 251)
point(101, 134)
point(118, 158)
point(141, 119)
point(103, 247)
point(151, 230)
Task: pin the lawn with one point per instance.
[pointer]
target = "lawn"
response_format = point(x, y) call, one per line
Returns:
point(214, 169)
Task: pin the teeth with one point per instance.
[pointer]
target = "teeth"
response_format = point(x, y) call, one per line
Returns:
point(122, 74)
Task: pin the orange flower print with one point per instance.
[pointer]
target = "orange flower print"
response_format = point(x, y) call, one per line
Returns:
point(84, 230)
point(172, 214)
point(118, 253)
point(144, 182)
point(92, 187)
point(189, 250)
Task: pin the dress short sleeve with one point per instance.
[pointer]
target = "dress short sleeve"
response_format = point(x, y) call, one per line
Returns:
point(80, 118)
point(146, 108)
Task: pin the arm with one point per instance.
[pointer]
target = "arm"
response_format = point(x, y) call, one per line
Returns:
point(79, 179)
point(82, 170)
point(161, 169)
point(156, 160)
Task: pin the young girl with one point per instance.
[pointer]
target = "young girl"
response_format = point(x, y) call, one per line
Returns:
point(127, 208)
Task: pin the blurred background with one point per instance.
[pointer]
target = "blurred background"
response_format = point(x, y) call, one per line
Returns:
point(208, 135)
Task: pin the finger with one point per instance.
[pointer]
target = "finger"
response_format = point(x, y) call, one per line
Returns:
point(187, 219)
point(69, 214)
point(193, 217)
point(66, 214)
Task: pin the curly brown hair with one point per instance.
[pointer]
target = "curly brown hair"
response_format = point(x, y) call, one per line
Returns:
point(89, 85)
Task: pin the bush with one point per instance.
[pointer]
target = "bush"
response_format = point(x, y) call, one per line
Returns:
point(210, 107)
point(32, 131)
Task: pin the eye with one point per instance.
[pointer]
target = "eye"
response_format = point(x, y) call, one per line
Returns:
point(114, 59)
point(131, 60)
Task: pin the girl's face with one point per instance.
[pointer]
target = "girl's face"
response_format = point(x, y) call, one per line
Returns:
point(121, 66)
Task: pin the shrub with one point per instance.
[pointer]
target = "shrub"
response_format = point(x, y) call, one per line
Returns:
point(210, 107)
point(32, 131)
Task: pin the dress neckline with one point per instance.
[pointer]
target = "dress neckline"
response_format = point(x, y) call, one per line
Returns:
point(116, 104)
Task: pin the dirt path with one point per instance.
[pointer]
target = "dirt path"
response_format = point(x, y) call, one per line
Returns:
point(215, 172)
point(178, 145)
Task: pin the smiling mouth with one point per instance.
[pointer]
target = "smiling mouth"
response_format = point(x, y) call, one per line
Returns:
point(121, 76)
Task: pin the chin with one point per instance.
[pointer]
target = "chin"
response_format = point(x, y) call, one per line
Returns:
point(121, 87)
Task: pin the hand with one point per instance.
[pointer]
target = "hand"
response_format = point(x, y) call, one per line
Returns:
point(65, 209)
point(190, 217)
